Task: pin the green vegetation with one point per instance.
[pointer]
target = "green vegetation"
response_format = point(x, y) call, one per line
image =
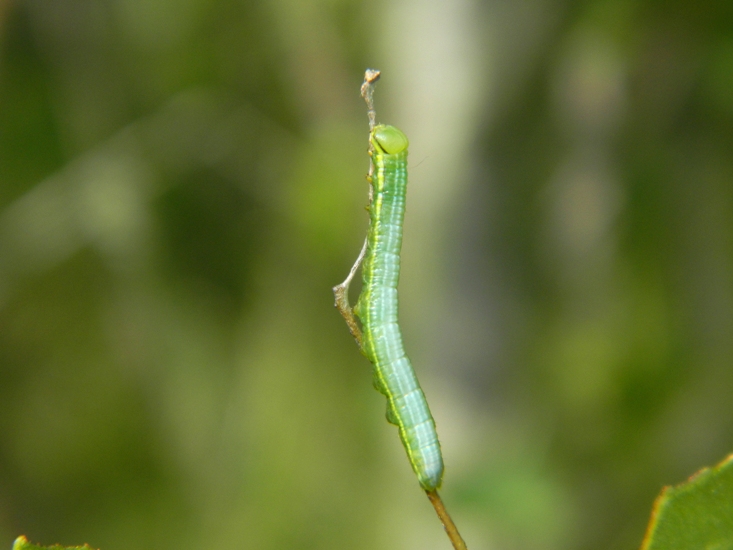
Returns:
point(178, 183)
point(21, 543)
point(696, 514)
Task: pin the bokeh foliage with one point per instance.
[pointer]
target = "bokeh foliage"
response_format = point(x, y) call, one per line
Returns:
point(181, 183)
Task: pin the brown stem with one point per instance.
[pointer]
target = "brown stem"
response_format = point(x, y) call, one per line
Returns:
point(445, 519)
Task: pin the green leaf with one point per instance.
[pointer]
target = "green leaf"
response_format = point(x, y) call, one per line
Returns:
point(697, 514)
point(21, 543)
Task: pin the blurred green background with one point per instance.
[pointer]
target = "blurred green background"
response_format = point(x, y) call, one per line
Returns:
point(182, 183)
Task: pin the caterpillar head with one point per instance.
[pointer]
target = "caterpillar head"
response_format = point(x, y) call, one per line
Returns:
point(389, 139)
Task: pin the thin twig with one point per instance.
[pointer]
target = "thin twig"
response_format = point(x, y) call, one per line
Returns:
point(445, 519)
point(367, 91)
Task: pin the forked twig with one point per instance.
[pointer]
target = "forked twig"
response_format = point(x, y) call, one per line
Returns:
point(341, 291)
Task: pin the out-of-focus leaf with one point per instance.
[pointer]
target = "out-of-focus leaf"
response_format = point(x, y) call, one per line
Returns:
point(695, 514)
point(21, 543)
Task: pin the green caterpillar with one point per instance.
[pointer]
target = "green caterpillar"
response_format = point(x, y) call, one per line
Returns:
point(379, 336)
point(377, 308)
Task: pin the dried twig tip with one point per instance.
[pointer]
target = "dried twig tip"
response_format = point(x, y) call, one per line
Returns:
point(367, 89)
point(371, 75)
